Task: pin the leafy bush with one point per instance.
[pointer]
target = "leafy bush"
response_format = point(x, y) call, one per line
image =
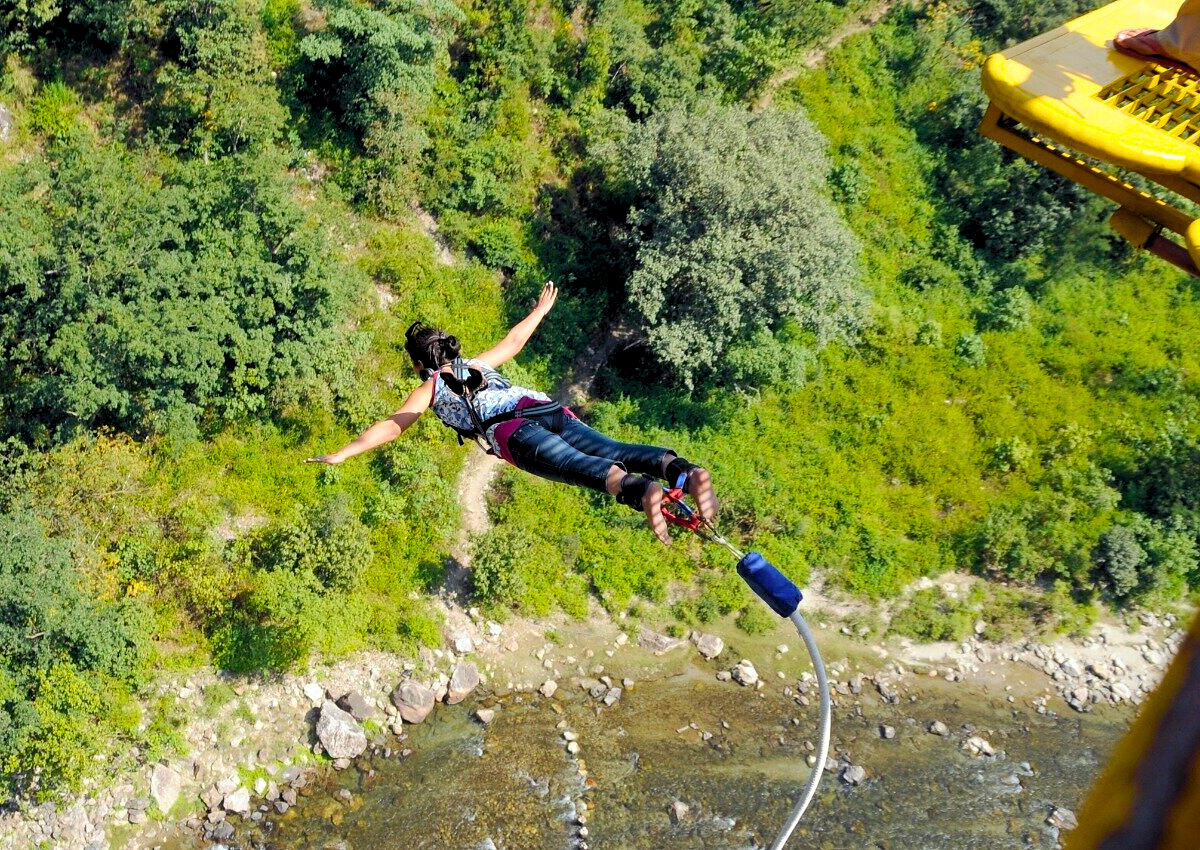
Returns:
point(55, 111)
point(328, 544)
point(931, 615)
point(756, 619)
point(971, 349)
point(1008, 310)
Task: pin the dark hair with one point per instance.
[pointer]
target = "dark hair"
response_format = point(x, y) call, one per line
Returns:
point(432, 347)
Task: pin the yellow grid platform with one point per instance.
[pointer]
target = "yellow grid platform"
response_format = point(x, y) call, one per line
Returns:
point(1071, 103)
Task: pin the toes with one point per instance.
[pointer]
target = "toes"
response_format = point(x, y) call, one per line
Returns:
point(700, 486)
point(652, 505)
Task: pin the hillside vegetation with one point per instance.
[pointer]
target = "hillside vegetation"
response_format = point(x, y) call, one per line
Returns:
point(900, 350)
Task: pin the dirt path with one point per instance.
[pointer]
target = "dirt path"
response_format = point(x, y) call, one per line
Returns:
point(817, 55)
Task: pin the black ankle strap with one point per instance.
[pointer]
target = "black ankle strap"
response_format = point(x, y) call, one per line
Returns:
point(677, 472)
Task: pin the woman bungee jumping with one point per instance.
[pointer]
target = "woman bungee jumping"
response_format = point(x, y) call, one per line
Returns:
point(527, 428)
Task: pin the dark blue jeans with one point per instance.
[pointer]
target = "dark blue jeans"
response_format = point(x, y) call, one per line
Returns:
point(563, 449)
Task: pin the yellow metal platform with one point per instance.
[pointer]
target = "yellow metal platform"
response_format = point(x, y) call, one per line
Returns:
point(1071, 103)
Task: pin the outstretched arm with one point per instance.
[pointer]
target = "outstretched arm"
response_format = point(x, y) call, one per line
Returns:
point(511, 345)
point(385, 430)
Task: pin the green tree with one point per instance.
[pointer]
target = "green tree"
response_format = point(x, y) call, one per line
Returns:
point(376, 68)
point(58, 648)
point(1007, 310)
point(734, 232)
point(214, 91)
point(1118, 558)
point(150, 301)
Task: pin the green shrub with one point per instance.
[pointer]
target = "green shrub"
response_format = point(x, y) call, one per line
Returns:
point(155, 322)
point(54, 112)
point(1007, 310)
point(61, 647)
point(931, 615)
point(757, 619)
point(971, 349)
point(328, 543)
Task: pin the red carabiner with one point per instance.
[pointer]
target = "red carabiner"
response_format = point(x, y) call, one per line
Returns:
point(686, 518)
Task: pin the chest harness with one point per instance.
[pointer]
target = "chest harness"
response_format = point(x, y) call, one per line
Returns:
point(467, 382)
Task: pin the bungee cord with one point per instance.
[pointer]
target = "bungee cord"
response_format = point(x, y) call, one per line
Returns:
point(783, 597)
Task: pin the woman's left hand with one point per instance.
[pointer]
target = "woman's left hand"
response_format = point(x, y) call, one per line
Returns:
point(547, 298)
point(331, 459)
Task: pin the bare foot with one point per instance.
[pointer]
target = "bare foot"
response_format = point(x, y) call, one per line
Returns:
point(652, 506)
point(1144, 43)
point(699, 487)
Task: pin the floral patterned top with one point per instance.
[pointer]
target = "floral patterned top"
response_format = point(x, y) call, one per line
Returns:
point(499, 396)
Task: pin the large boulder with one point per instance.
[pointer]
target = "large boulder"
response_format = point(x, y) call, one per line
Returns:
point(657, 643)
point(464, 680)
point(339, 733)
point(165, 785)
point(710, 646)
point(744, 673)
point(237, 801)
point(413, 700)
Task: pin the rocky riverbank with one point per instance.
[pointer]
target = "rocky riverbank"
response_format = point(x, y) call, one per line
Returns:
point(255, 744)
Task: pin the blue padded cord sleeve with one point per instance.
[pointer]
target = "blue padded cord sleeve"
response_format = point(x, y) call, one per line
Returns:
point(772, 586)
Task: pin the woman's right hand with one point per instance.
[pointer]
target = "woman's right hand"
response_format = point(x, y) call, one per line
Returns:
point(547, 298)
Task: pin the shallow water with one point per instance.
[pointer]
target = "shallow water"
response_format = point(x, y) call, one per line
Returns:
point(514, 785)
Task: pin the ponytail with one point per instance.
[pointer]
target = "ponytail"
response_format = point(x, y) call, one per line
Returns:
point(433, 348)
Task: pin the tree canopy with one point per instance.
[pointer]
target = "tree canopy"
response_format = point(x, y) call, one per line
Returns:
point(149, 301)
point(733, 232)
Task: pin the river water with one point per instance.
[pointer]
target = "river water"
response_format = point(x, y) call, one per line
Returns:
point(513, 786)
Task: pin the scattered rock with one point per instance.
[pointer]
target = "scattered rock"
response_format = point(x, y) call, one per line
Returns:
point(463, 644)
point(413, 700)
point(887, 732)
point(548, 688)
point(612, 696)
point(314, 692)
point(710, 646)
point(679, 812)
point(357, 705)
point(211, 798)
point(339, 733)
point(977, 746)
point(1061, 818)
point(485, 715)
point(165, 785)
point(464, 680)
point(657, 643)
point(854, 774)
point(937, 727)
point(744, 673)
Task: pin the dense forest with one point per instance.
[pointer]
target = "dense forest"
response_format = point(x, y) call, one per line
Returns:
point(900, 350)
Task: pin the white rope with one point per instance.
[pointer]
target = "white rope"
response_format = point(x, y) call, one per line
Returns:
point(823, 747)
